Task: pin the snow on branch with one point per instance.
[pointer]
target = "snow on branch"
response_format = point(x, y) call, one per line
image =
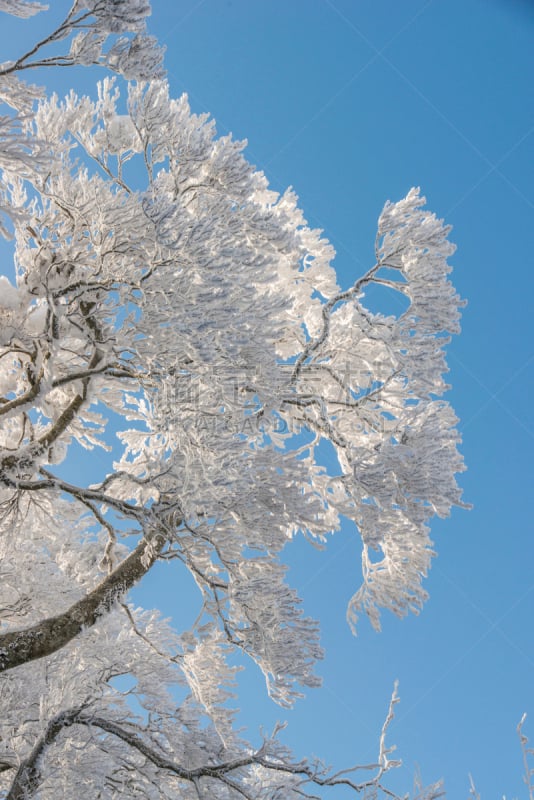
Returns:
point(21, 8)
point(249, 775)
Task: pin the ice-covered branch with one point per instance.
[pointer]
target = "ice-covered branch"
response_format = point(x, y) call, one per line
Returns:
point(134, 53)
point(528, 753)
point(246, 774)
point(21, 8)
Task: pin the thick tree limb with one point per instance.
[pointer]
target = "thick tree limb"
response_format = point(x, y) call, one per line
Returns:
point(50, 635)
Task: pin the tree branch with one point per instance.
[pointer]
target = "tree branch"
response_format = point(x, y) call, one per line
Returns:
point(51, 634)
point(28, 774)
point(327, 309)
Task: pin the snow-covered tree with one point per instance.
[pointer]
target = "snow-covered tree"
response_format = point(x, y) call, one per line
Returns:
point(159, 281)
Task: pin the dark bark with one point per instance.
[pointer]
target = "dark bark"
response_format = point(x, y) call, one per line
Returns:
point(51, 634)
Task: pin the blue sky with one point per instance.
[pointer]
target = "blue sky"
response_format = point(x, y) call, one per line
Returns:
point(352, 102)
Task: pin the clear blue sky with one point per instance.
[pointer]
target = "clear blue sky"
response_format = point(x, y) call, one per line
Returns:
point(352, 102)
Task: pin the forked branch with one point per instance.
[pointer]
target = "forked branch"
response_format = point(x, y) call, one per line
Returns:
point(233, 772)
